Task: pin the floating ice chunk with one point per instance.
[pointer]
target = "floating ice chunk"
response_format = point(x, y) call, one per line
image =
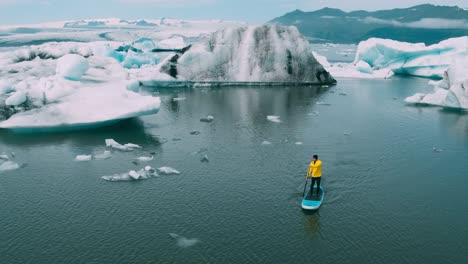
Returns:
point(314, 113)
point(179, 99)
point(298, 143)
point(207, 119)
point(15, 99)
point(103, 156)
point(183, 241)
point(168, 170)
point(114, 144)
point(436, 149)
point(144, 159)
point(72, 66)
point(348, 133)
point(364, 67)
point(266, 142)
point(143, 174)
point(9, 165)
point(275, 119)
point(322, 103)
point(84, 157)
point(4, 156)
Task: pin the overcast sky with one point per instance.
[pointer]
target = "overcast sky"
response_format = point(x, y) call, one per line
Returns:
point(252, 11)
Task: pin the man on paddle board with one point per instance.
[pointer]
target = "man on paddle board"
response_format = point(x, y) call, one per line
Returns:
point(315, 172)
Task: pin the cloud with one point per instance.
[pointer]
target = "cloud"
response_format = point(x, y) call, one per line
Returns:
point(431, 23)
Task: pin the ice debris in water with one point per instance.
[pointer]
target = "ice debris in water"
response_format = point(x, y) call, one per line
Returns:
point(266, 142)
point(143, 174)
point(179, 99)
point(144, 159)
point(127, 147)
point(314, 113)
point(322, 103)
point(10, 165)
point(436, 149)
point(204, 158)
point(103, 156)
point(4, 156)
point(272, 118)
point(207, 119)
point(168, 171)
point(348, 133)
point(183, 241)
point(298, 143)
point(84, 157)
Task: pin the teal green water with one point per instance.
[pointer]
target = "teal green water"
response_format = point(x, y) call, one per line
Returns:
point(389, 197)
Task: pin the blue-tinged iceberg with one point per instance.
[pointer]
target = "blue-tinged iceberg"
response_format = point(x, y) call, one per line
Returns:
point(415, 59)
point(267, 53)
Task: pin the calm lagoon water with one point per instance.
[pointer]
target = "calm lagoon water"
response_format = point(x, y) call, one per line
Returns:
point(389, 197)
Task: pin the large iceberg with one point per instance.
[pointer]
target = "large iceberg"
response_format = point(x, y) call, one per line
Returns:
point(46, 92)
point(267, 53)
point(415, 59)
point(451, 91)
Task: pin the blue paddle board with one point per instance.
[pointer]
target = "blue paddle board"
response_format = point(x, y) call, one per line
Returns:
point(312, 201)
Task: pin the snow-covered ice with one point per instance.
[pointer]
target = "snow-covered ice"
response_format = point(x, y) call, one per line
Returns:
point(16, 98)
point(103, 156)
point(167, 170)
point(9, 165)
point(72, 66)
point(144, 159)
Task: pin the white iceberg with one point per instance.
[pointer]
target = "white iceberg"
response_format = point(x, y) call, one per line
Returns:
point(266, 53)
point(168, 171)
point(84, 157)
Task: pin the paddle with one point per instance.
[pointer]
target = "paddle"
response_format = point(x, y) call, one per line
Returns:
point(305, 185)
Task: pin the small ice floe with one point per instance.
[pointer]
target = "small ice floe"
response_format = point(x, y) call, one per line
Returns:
point(10, 165)
point(265, 142)
point(325, 86)
point(322, 103)
point(437, 149)
point(207, 119)
point(143, 174)
point(314, 113)
point(272, 118)
point(83, 157)
point(4, 156)
point(144, 159)
point(179, 99)
point(184, 242)
point(195, 132)
point(168, 171)
point(127, 147)
point(103, 156)
point(204, 158)
point(298, 143)
point(348, 133)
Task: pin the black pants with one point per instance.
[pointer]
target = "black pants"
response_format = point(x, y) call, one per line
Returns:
point(317, 179)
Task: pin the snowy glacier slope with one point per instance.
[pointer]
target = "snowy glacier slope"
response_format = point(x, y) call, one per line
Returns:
point(266, 53)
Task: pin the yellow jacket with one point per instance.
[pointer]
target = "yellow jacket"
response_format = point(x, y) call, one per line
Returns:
point(315, 170)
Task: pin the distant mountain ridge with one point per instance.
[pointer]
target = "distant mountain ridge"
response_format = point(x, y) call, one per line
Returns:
point(422, 23)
